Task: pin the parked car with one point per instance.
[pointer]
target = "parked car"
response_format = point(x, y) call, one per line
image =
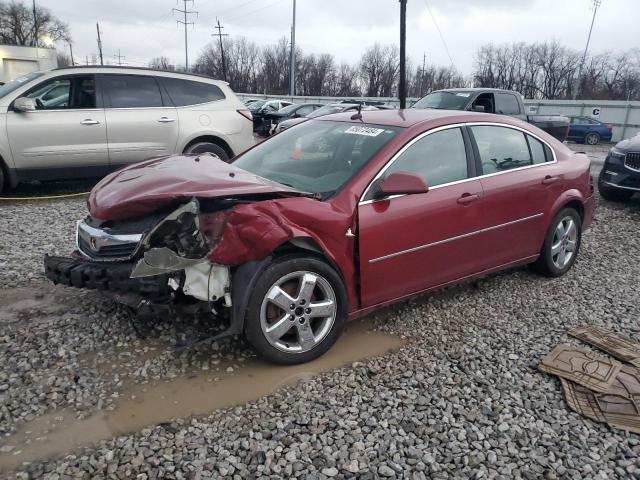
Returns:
point(325, 110)
point(271, 119)
point(260, 110)
point(101, 118)
point(619, 178)
point(294, 236)
point(493, 100)
point(589, 130)
point(250, 101)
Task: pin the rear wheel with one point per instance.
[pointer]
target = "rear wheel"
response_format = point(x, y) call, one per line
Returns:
point(561, 245)
point(297, 310)
point(612, 194)
point(208, 147)
point(592, 139)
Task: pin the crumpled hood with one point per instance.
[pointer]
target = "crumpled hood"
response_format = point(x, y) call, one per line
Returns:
point(148, 186)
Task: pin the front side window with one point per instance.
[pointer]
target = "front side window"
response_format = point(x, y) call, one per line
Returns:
point(74, 92)
point(501, 148)
point(317, 156)
point(132, 91)
point(438, 158)
point(189, 92)
point(507, 104)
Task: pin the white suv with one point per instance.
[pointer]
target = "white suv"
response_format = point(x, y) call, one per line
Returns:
point(86, 121)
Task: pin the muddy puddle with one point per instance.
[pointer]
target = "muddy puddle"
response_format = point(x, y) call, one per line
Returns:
point(196, 394)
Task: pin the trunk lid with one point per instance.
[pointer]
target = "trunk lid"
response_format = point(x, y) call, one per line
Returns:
point(148, 186)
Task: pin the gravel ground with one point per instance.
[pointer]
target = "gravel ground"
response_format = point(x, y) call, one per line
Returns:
point(463, 398)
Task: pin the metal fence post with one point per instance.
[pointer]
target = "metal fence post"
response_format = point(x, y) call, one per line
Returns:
point(626, 120)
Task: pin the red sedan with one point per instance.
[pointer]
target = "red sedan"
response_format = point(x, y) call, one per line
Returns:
point(330, 220)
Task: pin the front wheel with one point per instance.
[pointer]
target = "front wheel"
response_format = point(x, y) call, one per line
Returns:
point(561, 245)
point(297, 310)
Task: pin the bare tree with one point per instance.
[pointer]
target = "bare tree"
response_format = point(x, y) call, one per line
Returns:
point(379, 70)
point(161, 63)
point(19, 27)
point(64, 60)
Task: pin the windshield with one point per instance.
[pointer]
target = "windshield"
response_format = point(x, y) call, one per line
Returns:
point(256, 105)
point(318, 157)
point(326, 110)
point(444, 100)
point(9, 87)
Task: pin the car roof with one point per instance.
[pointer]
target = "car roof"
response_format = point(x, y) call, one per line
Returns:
point(412, 116)
point(474, 89)
point(133, 70)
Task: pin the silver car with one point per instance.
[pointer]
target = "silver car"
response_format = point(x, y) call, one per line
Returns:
point(86, 121)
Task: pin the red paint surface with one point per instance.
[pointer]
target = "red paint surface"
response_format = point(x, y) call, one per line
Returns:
point(253, 231)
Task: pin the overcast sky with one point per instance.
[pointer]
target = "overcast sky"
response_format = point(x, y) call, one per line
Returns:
point(142, 29)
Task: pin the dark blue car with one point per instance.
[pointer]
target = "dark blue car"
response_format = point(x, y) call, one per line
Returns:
point(589, 130)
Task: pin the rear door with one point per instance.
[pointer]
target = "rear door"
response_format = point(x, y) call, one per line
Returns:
point(520, 181)
point(66, 131)
point(410, 243)
point(141, 121)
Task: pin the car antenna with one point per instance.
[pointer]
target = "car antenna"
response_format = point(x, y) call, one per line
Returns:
point(358, 114)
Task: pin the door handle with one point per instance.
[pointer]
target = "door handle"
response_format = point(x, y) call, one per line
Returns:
point(89, 121)
point(166, 120)
point(548, 180)
point(467, 198)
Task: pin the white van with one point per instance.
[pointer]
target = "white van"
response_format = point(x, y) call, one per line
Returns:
point(81, 122)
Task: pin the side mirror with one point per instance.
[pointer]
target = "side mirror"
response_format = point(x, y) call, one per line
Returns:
point(478, 108)
point(401, 183)
point(24, 104)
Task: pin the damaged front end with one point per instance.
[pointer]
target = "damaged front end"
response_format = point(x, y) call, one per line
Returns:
point(154, 266)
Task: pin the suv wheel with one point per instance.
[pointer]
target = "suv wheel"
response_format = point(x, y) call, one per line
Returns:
point(561, 245)
point(208, 147)
point(592, 139)
point(611, 193)
point(297, 310)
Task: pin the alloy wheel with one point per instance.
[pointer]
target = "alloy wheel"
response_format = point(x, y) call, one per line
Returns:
point(565, 239)
point(592, 139)
point(298, 311)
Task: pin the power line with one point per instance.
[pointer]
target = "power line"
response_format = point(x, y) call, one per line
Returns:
point(186, 23)
point(446, 48)
point(220, 35)
point(255, 11)
point(237, 7)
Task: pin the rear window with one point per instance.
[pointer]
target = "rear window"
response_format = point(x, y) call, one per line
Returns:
point(189, 92)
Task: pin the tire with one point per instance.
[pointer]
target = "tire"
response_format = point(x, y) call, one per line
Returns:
point(592, 138)
point(2, 179)
point(551, 263)
point(285, 345)
point(208, 147)
point(611, 193)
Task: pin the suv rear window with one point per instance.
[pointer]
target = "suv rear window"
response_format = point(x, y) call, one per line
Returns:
point(132, 91)
point(189, 92)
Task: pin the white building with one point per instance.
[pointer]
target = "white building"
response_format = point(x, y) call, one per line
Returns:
point(16, 61)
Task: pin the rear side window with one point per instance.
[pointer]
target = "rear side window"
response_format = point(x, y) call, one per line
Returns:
point(188, 92)
point(132, 91)
point(507, 104)
point(538, 152)
point(501, 148)
point(438, 158)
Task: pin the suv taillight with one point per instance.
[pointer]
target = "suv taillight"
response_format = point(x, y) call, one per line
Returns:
point(246, 114)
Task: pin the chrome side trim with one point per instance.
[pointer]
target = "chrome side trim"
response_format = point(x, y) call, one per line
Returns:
point(621, 187)
point(451, 239)
point(479, 177)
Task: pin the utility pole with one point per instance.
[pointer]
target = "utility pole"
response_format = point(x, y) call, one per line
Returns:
point(99, 43)
point(424, 63)
point(596, 5)
point(220, 35)
point(186, 23)
point(35, 25)
point(402, 88)
point(292, 59)
point(119, 57)
point(73, 63)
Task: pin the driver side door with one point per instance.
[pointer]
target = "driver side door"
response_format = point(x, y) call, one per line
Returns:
point(410, 243)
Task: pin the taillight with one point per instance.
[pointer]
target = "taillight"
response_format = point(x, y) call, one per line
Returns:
point(609, 126)
point(246, 114)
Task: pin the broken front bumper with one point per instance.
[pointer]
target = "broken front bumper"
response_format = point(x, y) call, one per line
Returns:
point(114, 277)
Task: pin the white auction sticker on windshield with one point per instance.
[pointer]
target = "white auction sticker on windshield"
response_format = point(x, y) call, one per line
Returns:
point(368, 131)
point(462, 94)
